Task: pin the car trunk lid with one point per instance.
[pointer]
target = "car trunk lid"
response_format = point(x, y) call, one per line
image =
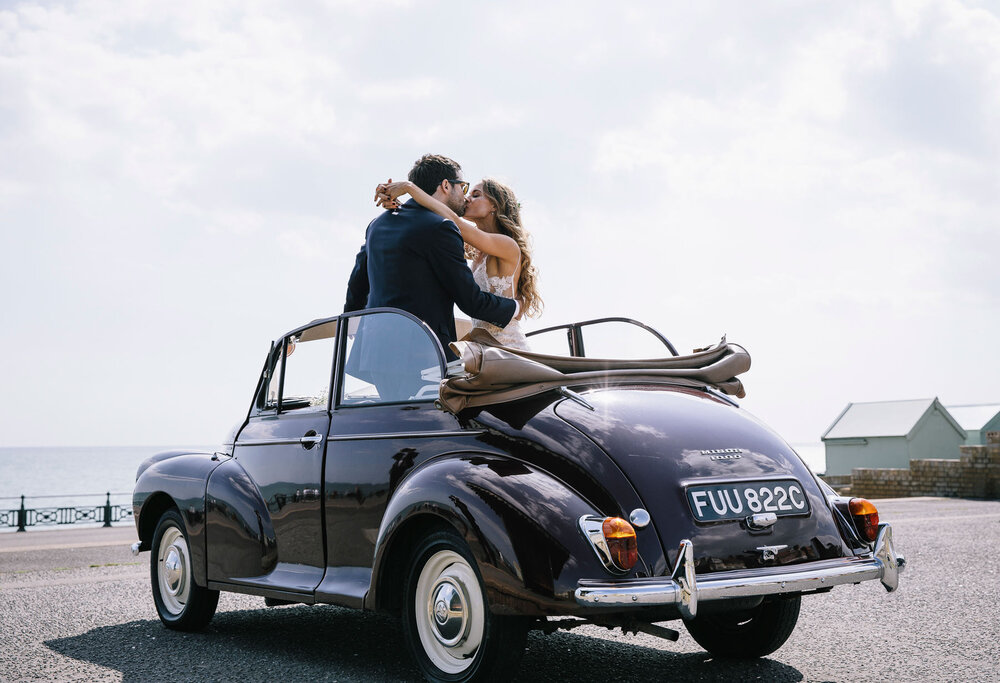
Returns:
point(686, 452)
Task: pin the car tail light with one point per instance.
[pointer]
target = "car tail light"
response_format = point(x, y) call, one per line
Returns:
point(865, 516)
point(620, 537)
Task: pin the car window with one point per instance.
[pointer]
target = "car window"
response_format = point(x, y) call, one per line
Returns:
point(272, 380)
point(618, 339)
point(551, 342)
point(308, 367)
point(390, 358)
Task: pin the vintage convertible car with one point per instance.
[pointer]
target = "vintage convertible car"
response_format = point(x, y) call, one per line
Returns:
point(503, 492)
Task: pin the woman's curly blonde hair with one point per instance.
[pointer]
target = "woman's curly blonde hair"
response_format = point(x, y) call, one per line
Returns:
point(508, 218)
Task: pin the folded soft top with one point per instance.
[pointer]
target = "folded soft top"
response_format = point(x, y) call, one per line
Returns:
point(498, 374)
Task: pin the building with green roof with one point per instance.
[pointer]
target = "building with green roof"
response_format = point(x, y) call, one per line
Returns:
point(890, 434)
point(976, 420)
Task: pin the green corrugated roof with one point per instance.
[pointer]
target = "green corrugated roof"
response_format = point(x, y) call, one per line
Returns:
point(880, 418)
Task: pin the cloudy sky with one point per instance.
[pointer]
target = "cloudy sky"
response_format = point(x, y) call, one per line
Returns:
point(182, 182)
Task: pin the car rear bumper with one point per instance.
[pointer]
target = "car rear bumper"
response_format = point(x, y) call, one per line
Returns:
point(684, 589)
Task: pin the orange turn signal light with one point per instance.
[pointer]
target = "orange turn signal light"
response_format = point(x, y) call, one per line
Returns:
point(865, 516)
point(620, 537)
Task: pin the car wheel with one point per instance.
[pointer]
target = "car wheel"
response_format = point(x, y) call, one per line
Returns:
point(747, 634)
point(181, 604)
point(447, 624)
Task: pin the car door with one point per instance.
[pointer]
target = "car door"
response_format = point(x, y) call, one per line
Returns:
point(264, 506)
point(384, 423)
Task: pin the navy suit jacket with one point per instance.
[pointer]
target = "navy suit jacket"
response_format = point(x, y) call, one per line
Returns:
point(414, 260)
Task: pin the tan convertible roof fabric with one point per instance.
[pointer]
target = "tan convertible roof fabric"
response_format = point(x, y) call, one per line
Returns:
point(497, 374)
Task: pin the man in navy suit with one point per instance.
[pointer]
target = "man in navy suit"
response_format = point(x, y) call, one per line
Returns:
point(414, 259)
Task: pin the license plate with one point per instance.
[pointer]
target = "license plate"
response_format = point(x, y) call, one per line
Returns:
point(715, 502)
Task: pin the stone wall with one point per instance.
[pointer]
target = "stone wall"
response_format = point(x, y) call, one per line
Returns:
point(975, 475)
point(841, 483)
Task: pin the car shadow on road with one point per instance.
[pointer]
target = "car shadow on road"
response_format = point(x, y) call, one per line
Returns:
point(331, 643)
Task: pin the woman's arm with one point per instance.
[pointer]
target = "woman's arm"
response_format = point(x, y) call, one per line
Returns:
point(500, 246)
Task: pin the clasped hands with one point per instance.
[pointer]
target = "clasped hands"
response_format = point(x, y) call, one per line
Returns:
point(388, 192)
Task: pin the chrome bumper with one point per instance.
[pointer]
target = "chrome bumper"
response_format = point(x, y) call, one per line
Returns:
point(683, 589)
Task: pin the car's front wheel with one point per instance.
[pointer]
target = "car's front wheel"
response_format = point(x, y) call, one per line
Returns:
point(181, 604)
point(747, 634)
point(447, 623)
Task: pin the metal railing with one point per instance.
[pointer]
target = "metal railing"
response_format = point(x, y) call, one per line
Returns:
point(105, 514)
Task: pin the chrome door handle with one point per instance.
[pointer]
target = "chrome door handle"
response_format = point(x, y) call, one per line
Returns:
point(311, 439)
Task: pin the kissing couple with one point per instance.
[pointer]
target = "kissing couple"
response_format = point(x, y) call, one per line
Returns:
point(414, 255)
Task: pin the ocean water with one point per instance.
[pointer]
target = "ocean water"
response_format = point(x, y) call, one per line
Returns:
point(72, 476)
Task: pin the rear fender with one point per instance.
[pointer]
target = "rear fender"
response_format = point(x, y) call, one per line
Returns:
point(519, 521)
point(175, 481)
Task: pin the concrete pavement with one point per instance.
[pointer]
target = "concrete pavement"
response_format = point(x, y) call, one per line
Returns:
point(86, 613)
point(65, 537)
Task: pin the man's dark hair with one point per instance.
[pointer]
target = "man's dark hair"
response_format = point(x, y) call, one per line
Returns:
point(430, 169)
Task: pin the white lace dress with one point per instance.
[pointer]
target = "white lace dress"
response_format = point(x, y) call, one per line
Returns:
point(511, 335)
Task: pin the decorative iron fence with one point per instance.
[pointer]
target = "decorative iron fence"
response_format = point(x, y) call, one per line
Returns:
point(105, 514)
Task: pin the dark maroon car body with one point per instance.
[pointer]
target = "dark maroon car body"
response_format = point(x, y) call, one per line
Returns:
point(325, 505)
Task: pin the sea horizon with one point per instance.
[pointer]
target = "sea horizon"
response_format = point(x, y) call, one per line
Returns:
point(74, 471)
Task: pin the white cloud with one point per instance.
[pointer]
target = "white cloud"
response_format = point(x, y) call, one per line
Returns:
point(392, 90)
point(817, 180)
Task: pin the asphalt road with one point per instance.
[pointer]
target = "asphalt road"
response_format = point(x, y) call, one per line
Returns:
point(85, 613)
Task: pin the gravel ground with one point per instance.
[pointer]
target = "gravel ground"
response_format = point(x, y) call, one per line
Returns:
point(85, 613)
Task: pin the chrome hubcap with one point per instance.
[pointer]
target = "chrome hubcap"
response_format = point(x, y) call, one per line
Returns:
point(173, 571)
point(449, 610)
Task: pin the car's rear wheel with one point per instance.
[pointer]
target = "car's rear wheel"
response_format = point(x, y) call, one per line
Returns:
point(747, 634)
point(181, 603)
point(447, 623)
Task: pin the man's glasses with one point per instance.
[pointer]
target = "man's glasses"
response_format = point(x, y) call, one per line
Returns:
point(461, 183)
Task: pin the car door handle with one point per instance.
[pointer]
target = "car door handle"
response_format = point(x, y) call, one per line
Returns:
point(310, 439)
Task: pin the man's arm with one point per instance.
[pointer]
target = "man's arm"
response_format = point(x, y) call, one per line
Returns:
point(446, 255)
point(358, 285)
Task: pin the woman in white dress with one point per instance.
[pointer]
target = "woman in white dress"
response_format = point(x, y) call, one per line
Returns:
point(495, 241)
